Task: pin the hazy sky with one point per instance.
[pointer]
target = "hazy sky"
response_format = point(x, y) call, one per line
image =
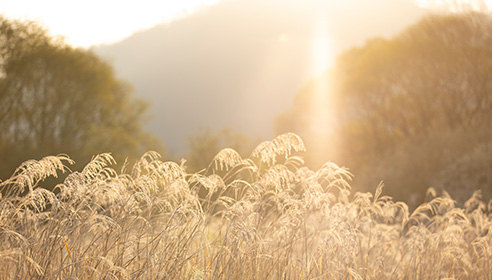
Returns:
point(91, 22)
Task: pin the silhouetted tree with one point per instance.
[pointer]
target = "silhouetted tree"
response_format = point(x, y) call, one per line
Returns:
point(58, 99)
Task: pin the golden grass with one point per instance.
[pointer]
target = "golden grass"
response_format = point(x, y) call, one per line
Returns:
point(263, 217)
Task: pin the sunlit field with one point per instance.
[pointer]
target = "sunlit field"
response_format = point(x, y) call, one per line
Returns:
point(262, 217)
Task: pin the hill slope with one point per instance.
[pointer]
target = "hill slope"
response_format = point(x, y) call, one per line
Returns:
point(239, 63)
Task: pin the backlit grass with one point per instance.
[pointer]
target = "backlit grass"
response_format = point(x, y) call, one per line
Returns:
point(263, 217)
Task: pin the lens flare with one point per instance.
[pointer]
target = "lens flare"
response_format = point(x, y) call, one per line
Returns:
point(321, 111)
point(321, 56)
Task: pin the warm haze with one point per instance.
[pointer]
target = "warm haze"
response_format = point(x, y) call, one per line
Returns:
point(266, 49)
point(377, 163)
point(238, 64)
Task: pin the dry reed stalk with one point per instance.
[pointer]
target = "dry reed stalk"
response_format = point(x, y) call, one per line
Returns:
point(264, 217)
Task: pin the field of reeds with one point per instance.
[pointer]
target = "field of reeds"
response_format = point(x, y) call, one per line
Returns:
point(262, 217)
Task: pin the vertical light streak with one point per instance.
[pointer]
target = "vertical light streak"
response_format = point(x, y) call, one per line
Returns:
point(321, 113)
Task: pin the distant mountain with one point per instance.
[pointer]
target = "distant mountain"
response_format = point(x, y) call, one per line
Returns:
point(239, 63)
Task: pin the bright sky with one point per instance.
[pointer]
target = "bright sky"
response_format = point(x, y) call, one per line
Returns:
point(91, 22)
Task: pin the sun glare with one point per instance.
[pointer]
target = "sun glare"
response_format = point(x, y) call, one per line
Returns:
point(321, 56)
point(322, 60)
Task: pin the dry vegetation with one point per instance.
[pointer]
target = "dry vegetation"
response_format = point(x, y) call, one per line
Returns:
point(264, 217)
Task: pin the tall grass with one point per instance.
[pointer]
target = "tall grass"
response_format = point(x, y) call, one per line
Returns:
point(262, 217)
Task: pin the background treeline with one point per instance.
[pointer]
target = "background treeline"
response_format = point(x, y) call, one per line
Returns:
point(413, 110)
point(58, 99)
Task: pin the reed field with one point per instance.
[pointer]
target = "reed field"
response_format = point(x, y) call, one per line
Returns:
point(263, 217)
